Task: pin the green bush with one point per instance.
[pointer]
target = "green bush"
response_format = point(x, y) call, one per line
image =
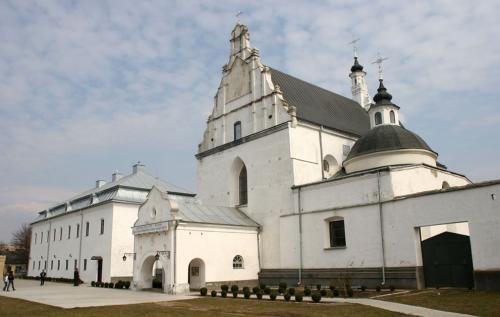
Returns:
point(307, 291)
point(223, 294)
point(92, 284)
point(235, 294)
point(363, 288)
point(234, 288)
point(246, 294)
point(291, 291)
point(272, 296)
point(213, 293)
point(106, 285)
point(378, 288)
point(287, 297)
point(332, 287)
point(316, 297)
point(350, 292)
point(101, 284)
point(126, 284)
point(298, 298)
point(203, 291)
point(119, 285)
point(246, 289)
point(111, 285)
point(318, 287)
point(255, 290)
point(282, 285)
point(323, 292)
point(224, 288)
point(262, 286)
point(336, 293)
point(281, 290)
point(267, 290)
point(392, 288)
point(259, 294)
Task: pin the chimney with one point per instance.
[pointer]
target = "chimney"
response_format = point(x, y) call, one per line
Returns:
point(138, 167)
point(116, 176)
point(99, 183)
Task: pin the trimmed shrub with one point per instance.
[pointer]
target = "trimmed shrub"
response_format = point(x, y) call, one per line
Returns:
point(332, 287)
point(298, 298)
point(101, 284)
point(316, 297)
point(282, 285)
point(106, 285)
point(259, 294)
point(336, 293)
point(363, 288)
point(224, 288)
point(92, 284)
point(223, 294)
point(323, 292)
point(350, 292)
point(255, 289)
point(111, 285)
point(267, 290)
point(246, 294)
point(318, 287)
point(246, 289)
point(126, 284)
point(213, 293)
point(235, 294)
point(378, 288)
point(119, 285)
point(272, 296)
point(307, 291)
point(287, 297)
point(281, 290)
point(392, 288)
point(203, 291)
point(291, 291)
point(234, 288)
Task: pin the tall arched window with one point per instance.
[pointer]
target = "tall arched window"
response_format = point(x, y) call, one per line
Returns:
point(378, 118)
point(237, 130)
point(392, 116)
point(243, 186)
point(238, 262)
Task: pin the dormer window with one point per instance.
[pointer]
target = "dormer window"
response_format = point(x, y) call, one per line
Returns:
point(237, 130)
point(392, 116)
point(378, 118)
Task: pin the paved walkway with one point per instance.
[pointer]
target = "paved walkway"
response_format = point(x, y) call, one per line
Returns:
point(68, 296)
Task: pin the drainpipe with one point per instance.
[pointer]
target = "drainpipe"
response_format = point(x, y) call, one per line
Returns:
point(321, 152)
point(300, 238)
point(259, 229)
point(381, 227)
point(175, 252)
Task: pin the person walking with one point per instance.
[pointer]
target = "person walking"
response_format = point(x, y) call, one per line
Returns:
point(5, 282)
point(76, 277)
point(11, 281)
point(42, 277)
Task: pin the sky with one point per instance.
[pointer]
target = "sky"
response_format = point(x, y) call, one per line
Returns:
point(91, 87)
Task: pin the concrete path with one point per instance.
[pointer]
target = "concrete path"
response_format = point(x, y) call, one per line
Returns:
point(68, 296)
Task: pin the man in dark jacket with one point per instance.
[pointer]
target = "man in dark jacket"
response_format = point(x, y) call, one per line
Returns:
point(11, 281)
point(76, 278)
point(43, 275)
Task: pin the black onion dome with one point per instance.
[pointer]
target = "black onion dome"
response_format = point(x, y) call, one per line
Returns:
point(357, 66)
point(387, 138)
point(382, 97)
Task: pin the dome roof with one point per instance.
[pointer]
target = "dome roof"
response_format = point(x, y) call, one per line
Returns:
point(387, 138)
point(357, 66)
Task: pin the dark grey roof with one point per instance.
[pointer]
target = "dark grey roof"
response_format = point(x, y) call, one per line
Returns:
point(317, 105)
point(387, 138)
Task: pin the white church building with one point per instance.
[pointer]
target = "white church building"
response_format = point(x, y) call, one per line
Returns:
point(295, 183)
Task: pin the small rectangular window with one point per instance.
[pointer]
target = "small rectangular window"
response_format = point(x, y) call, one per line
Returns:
point(36, 237)
point(33, 265)
point(54, 234)
point(102, 226)
point(51, 265)
point(60, 234)
point(58, 265)
point(87, 228)
point(39, 263)
point(48, 236)
point(337, 233)
point(41, 237)
point(69, 232)
point(237, 130)
point(78, 230)
point(67, 264)
point(85, 264)
point(76, 263)
point(45, 265)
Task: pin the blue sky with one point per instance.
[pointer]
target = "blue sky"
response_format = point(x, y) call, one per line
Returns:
point(90, 87)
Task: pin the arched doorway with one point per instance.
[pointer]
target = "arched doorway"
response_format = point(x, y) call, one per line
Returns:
point(152, 274)
point(196, 274)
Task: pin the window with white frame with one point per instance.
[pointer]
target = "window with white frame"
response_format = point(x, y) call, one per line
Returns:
point(337, 232)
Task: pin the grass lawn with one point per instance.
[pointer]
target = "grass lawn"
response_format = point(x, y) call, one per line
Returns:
point(459, 301)
point(196, 307)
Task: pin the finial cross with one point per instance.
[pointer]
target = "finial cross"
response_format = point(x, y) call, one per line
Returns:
point(354, 47)
point(379, 61)
point(238, 16)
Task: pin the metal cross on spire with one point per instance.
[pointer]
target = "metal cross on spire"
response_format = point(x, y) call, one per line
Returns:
point(379, 61)
point(238, 16)
point(354, 48)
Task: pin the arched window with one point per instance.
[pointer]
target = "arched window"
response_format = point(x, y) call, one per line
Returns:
point(237, 130)
point(392, 116)
point(445, 185)
point(243, 189)
point(326, 166)
point(238, 262)
point(378, 118)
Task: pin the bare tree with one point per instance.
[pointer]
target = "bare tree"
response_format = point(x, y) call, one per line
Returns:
point(21, 239)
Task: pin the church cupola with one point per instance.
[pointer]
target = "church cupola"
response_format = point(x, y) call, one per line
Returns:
point(383, 111)
point(359, 88)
